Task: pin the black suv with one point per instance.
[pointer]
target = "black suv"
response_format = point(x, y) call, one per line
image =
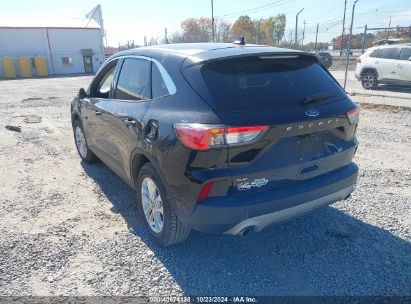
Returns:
point(324, 58)
point(219, 138)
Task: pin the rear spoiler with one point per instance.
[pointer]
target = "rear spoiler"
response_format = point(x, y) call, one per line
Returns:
point(223, 54)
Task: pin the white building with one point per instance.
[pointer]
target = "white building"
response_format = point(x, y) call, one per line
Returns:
point(70, 45)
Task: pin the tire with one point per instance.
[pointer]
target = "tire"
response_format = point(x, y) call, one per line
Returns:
point(171, 231)
point(369, 80)
point(81, 144)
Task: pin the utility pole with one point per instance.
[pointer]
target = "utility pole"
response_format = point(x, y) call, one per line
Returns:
point(349, 43)
point(165, 36)
point(388, 32)
point(364, 39)
point(145, 41)
point(343, 29)
point(212, 19)
point(302, 41)
point(258, 31)
point(316, 36)
point(296, 26)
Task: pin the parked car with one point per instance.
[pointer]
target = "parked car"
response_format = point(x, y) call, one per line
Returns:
point(389, 64)
point(325, 58)
point(220, 138)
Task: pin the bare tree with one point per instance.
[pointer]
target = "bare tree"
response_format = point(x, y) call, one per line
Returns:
point(279, 28)
point(197, 29)
point(176, 37)
point(244, 26)
point(152, 41)
point(288, 39)
point(222, 32)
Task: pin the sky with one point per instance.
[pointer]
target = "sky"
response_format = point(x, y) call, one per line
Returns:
point(132, 20)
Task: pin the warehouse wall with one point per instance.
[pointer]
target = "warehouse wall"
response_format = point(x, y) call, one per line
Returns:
point(69, 42)
point(64, 42)
point(24, 42)
point(21, 42)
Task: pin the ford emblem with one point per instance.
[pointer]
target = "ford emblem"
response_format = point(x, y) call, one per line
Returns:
point(312, 112)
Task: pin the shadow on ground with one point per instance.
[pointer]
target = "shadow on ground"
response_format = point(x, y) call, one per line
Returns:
point(324, 253)
point(393, 88)
point(71, 75)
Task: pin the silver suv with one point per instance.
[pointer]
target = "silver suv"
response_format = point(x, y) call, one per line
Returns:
point(389, 64)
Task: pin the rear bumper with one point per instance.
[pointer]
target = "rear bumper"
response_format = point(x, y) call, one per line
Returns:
point(234, 214)
point(259, 222)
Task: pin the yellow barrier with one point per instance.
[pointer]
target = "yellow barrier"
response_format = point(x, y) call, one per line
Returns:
point(41, 66)
point(8, 67)
point(25, 67)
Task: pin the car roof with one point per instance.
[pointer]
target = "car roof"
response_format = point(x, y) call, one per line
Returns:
point(397, 45)
point(198, 52)
point(390, 46)
point(190, 49)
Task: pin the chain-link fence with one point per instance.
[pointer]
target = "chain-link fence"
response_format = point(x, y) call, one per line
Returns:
point(382, 67)
point(373, 63)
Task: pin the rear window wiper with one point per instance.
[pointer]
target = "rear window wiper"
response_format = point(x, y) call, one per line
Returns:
point(314, 98)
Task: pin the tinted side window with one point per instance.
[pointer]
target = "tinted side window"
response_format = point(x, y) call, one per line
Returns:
point(390, 53)
point(385, 53)
point(102, 85)
point(134, 80)
point(103, 88)
point(376, 53)
point(405, 54)
point(158, 85)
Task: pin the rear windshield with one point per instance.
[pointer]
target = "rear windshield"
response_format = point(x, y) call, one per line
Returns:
point(261, 83)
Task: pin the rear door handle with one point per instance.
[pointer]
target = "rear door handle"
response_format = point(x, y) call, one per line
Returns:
point(129, 123)
point(98, 113)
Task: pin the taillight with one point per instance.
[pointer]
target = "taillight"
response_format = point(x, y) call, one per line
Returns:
point(358, 60)
point(241, 135)
point(199, 136)
point(203, 136)
point(354, 115)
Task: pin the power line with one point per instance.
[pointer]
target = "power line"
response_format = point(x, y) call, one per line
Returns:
point(324, 25)
point(255, 9)
point(368, 10)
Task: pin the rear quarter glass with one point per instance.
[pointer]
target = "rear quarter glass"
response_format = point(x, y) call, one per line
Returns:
point(261, 83)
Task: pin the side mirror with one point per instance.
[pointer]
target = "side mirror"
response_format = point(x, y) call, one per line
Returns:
point(409, 59)
point(82, 94)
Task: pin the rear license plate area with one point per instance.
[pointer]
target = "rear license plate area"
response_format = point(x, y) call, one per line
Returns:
point(309, 147)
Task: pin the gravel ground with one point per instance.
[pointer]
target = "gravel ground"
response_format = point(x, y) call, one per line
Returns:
point(67, 228)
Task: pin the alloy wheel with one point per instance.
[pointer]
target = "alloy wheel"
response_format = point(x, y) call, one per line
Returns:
point(152, 205)
point(81, 142)
point(368, 81)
